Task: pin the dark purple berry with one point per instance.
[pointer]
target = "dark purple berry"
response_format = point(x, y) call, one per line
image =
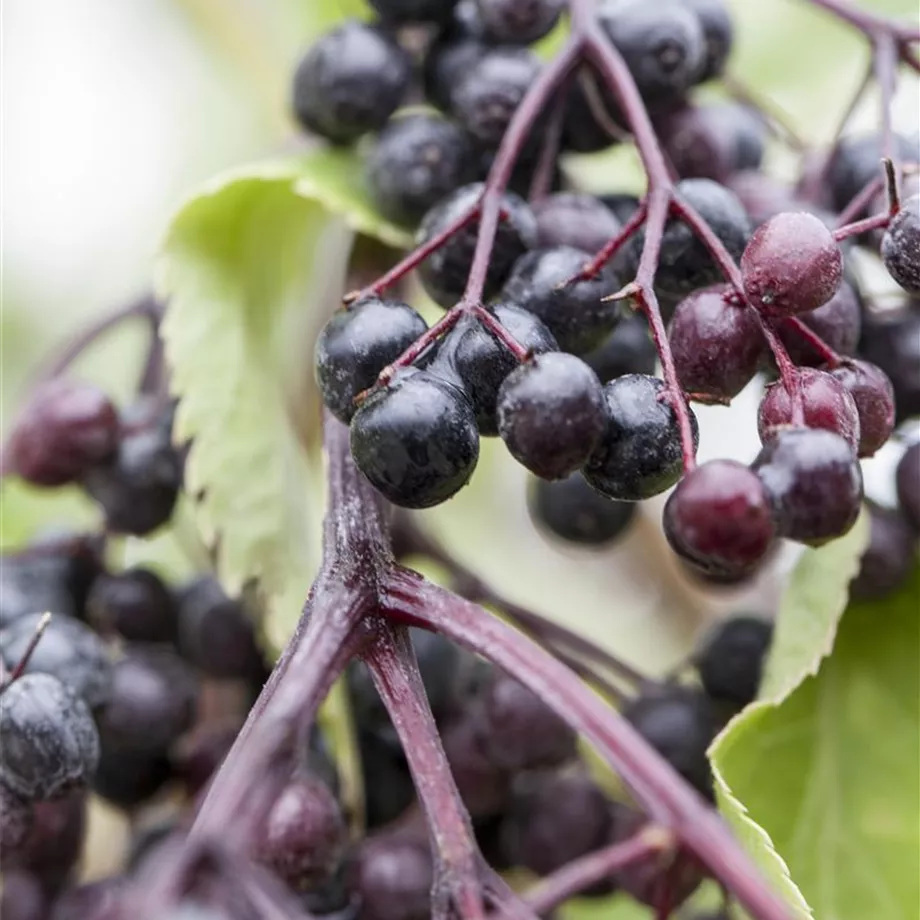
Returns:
point(553, 818)
point(388, 787)
point(856, 161)
point(304, 836)
point(791, 265)
point(350, 82)
point(129, 780)
point(519, 22)
point(889, 558)
point(576, 220)
point(825, 402)
point(486, 96)
point(901, 246)
point(65, 428)
point(640, 452)
point(482, 363)
point(627, 350)
point(518, 731)
point(444, 273)
point(814, 483)
point(139, 487)
point(551, 414)
point(685, 264)
point(216, 632)
point(716, 343)
point(448, 59)
point(873, 396)
point(68, 649)
point(680, 723)
point(573, 312)
point(153, 702)
point(892, 342)
point(730, 661)
point(838, 323)
point(762, 196)
point(719, 519)
point(415, 162)
point(908, 484)
point(357, 344)
point(136, 604)
point(395, 874)
point(416, 440)
point(713, 141)
point(49, 742)
point(662, 44)
point(718, 34)
point(573, 511)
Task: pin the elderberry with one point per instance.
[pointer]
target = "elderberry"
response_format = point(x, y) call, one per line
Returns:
point(901, 246)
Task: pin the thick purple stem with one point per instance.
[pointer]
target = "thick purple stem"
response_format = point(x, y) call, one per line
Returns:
point(392, 663)
point(660, 791)
point(355, 555)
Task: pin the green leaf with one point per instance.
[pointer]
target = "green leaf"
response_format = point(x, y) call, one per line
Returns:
point(251, 266)
point(819, 776)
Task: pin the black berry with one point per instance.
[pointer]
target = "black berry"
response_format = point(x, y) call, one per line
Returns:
point(136, 604)
point(574, 312)
point(901, 246)
point(415, 162)
point(640, 452)
point(350, 82)
point(416, 440)
point(573, 511)
point(49, 741)
point(444, 273)
point(814, 482)
point(730, 661)
point(551, 414)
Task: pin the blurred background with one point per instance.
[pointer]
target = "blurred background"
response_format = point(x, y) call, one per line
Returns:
point(113, 111)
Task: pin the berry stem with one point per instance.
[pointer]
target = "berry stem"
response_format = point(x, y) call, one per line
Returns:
point(396, 676)
point(596, 867)
point(876, 222)
point(23, 662)
point(145, 307)
point(326, 637)
point(662, 793)
point(542, 181)
point(885, 67)
point(659, 203)
point(614, 245)
point(415, 258)
point(814, 341)
point(550, 79)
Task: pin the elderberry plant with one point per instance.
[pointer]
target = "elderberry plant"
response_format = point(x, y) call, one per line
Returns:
point(577, 329)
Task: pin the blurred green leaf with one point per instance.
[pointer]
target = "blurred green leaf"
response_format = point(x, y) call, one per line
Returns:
point(819, 776)
point(249, 265)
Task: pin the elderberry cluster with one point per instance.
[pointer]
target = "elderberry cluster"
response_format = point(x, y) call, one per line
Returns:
point(552, 363)
point(106, 698)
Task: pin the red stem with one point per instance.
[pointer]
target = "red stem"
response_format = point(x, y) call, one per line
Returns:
point(550, 79)
point(395, 672)
point(596, 867)
point(415, 258)
point(326, 637)
point(876, 222)
point(814, 341)
point(661, 792)
point(614, 245)
point(23, 662)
